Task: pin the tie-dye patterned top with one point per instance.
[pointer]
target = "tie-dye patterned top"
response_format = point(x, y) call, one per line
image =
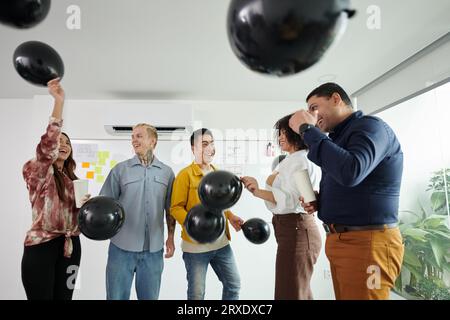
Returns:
point(51, 217)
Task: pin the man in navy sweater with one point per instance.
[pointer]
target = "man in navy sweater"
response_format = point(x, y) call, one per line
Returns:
point(362, 163)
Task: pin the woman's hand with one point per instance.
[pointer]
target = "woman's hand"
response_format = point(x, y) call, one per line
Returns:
point(310, 207)
point(271, 178)
point(56, 91)
point(250, 183)
point(85, 198)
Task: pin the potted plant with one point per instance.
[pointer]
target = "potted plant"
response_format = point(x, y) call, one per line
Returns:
point(425, 271)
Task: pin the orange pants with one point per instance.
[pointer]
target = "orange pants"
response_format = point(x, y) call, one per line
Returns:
point(364, 264)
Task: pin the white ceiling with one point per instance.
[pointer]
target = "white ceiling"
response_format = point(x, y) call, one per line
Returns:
point(179, 50)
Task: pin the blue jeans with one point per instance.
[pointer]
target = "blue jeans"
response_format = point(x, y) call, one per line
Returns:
point(120, 270)
point(223, 264)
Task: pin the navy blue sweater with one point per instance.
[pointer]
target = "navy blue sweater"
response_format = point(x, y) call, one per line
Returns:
point(362, 164)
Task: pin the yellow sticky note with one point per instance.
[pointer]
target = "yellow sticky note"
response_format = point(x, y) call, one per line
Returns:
point(90, 175)
point(85, 164)
point(101, 162)
point(112, 164)
point(100, 179)
point(103, 154)
point(98, 170)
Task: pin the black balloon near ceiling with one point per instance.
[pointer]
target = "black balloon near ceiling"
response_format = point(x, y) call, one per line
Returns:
point(284, 37)
point(37, 62)
point(23, 13)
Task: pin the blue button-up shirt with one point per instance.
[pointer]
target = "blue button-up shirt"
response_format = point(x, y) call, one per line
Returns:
point(144, 193)
point(362, 164)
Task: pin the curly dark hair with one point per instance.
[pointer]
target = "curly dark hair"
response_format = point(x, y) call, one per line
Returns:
point(68, 169)
point(293, 138)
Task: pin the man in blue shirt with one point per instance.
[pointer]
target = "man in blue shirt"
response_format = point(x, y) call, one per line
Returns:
point(143, 185)
point(362, 164)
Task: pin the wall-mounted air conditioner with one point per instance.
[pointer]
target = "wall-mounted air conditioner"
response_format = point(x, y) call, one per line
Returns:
point(163, 131)
point(171, 120)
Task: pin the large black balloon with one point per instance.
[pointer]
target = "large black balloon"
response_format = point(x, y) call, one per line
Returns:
point(256, 230)
point(219, 190)
point(204, 225)
point(100, 218)
point(23, 13)
point(283, 37)
point(38, 63)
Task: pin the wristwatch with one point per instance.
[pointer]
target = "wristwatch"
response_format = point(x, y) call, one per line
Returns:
point(303, 128)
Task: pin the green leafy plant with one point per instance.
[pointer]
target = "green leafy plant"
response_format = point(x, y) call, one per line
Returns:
point(427, 245)
point(438, 185)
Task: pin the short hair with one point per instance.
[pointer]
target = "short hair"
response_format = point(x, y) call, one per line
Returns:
point(198, 133)
point(291, 137)
point(327, 90)
point(151, 130)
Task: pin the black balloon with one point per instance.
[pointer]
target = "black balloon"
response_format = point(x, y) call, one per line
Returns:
point(23, 13)
point(204, 225)
point(283, 37)
point(256, 230)
point(100, 218)
point(219, 190)
point(38, 63)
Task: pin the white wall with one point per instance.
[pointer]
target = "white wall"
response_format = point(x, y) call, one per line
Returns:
point(21, 124)
point(421, 125)
point(16, 145)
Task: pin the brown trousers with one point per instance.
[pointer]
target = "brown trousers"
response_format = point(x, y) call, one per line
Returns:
point(299, 245)
point(364, 264)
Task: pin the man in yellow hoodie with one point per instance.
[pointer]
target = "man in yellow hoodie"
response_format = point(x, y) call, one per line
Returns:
point(198, 256)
